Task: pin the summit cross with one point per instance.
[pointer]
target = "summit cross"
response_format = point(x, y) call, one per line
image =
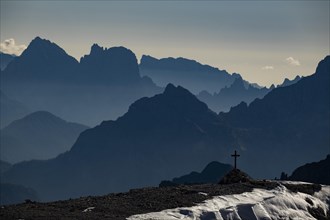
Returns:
point(235, 155)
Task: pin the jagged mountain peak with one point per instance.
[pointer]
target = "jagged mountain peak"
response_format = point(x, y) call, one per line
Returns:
point(101, 51)
point(96, 49)
point(170, 90)
point(173, 97)
point(43, 48)
point(238, 83)
point(38, 117)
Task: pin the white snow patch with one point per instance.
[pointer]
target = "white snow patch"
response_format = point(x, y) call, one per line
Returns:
point(202, 193)
point(292, 182)
point(89, 209)
point(279, 203)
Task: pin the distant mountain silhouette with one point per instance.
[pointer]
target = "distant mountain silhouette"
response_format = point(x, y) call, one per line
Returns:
point(173, 133)
point(40, 135)
point(110, 66)
point(212, 173)
point(41, 61)
point(317, 172)
point(232, 95)
point(288, 82)
point(101, 86)
point(13, 194)
point(190, 74)
point(289, 122)
point(5, 59)
point(10, 110)
point(158, 138)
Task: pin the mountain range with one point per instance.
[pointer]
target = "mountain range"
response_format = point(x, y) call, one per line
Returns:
point(173, 133)
point(231, 96)
point(157, 138)
point(291, 121)
point(288, 82)
point(190, 74)
point(101, 86)
point(212, 173)
point(39, 135)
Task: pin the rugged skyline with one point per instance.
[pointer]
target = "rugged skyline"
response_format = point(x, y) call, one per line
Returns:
point(260, 40)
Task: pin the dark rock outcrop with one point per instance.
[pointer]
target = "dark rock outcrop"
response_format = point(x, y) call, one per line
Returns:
point(212, 173)
point(316, 172)
point(235, 176)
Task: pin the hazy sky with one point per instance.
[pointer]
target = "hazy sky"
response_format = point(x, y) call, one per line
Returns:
point(264, 41)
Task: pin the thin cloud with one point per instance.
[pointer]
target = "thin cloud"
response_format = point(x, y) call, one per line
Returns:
point(267, 68)
point(292, 61)
point(9, 46)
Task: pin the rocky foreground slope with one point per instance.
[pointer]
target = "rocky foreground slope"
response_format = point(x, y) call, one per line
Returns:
point(309, 200)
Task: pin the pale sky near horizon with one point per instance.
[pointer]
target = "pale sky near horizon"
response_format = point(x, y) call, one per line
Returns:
point(264, 41)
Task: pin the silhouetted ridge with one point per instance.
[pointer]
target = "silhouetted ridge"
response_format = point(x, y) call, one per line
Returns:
point(188, 73)
point(292, 102)
point(179, 63)
point(41, 61)
point(113, 65)
point(40, 116)
point(239, 91)
point(316, 172)
point(96, 49)
point(171, 90)
point(46, 50)
point(323, 68)
point(101, 87)
point(212, 173)
point(39, 135)
point(288, 82)
point(174, 99)
point(238, 83)
point(290, 121)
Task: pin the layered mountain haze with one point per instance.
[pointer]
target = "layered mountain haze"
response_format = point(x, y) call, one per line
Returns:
point(217, 88)
point(42, 61)
point(100, 87)
point(158, 138)
point(288, 82)
point(40, 135)
point(116, 65)
point(190, 74)
point(232, 95)
point(289, 122)
point(173, 133)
